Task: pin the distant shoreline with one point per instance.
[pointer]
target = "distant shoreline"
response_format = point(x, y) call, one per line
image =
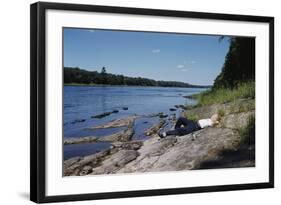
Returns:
point(77, 76)
point(107, 85)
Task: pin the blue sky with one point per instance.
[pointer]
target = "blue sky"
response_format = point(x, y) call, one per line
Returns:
point(195, 59)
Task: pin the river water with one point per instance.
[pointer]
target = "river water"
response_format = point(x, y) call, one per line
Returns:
point(82, 102)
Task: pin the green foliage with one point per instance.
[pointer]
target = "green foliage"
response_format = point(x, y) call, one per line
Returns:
point(247, 133)
point(244, 107)
point(76, 76)
point(223, 95)
point(239, 65)
point(103, 76)
point(191, 116)
point(221, 112)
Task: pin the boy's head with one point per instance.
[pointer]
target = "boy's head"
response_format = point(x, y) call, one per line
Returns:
point(216, 118)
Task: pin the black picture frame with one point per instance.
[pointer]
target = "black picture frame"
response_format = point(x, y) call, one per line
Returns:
point(38, 101)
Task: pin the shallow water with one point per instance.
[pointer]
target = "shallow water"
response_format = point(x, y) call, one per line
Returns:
point(82, 102)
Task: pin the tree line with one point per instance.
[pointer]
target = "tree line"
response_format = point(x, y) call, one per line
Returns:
point(239, 65)
point(81, 76)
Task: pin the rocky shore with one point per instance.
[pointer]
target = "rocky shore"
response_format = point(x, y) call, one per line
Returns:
point(213, 147)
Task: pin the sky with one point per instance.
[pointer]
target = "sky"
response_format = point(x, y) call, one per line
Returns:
point(195, 59)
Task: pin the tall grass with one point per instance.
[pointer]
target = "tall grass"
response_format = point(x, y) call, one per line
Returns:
point(247, 133)
point(223, 95)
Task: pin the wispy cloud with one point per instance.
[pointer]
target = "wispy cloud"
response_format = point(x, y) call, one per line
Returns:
point(183, 69)
point(180, 66)
point(186, 62)
point(156, 51)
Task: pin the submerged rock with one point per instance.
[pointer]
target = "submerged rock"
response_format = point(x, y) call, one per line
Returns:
point(180, 106)
point(173, 109)
point(78, 120)
point(101, 115)
point(105, 114)
point(115, 111)
point(188, 97)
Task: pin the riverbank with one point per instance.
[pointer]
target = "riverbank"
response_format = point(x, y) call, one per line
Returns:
point(231, 144)
point(122, 85)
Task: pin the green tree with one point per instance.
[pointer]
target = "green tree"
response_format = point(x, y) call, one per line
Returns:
point(103, 75)
point(239, 65)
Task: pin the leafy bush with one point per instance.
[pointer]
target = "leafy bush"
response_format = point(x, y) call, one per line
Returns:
point(191, 116)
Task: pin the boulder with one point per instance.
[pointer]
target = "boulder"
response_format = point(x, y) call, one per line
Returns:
point(237, 120)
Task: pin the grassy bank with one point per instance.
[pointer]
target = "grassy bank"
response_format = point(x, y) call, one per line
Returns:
point(223, 95)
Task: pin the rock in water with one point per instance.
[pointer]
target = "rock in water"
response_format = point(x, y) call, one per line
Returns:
point(117, 123)
point(101, 115)
point(78, 120)
point(163, 116)
point(80, 140)
point(115, 111)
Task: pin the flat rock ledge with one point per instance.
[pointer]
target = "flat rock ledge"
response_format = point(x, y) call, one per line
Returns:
point(128, 122)
point(122, 136)
point(80, 140)
point(107, 161)
point(172, 153)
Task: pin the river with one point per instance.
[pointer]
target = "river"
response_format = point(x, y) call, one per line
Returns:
point(82, 102)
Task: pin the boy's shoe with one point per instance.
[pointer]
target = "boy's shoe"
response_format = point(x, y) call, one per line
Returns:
point(162, 135)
